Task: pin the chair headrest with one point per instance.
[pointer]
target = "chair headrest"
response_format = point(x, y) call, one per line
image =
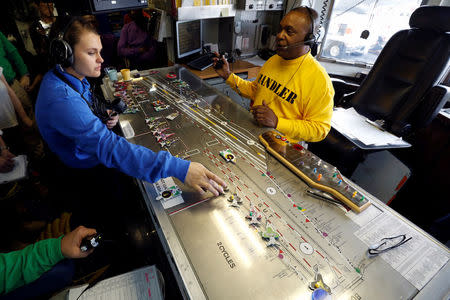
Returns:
point(436, 18)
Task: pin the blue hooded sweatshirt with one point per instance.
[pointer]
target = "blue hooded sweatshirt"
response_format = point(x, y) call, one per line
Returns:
point(81, 140)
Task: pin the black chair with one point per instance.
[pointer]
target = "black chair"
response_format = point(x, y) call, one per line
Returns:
point(402, 88)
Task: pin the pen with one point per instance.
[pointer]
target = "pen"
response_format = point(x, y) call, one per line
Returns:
point(322, 196)
point(375, 124)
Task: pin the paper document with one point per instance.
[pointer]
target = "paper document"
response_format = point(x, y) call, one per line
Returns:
point(19, 171)
point(366, 215)
point(418, 260)
point(355, 126)
point(142, 283)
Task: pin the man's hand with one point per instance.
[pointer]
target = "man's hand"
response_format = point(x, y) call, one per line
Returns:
point(265, 116)
point(224, 72)
point(71, 242)
point(6, 164)
point(25, 81)
point(202, 179)
point(112, 121)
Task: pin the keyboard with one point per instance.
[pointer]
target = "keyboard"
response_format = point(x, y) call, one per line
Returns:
point(201, 63)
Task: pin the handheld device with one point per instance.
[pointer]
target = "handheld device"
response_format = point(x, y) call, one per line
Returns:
point(220, 62)
point(90, 242)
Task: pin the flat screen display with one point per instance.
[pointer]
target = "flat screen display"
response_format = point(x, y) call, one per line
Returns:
point(189, 37)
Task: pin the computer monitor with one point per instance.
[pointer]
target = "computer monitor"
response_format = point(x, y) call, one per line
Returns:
point(189, 37)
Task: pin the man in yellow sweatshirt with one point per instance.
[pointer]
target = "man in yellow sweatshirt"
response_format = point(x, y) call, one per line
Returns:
point(292, 93)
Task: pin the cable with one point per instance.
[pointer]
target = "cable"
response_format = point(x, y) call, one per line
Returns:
point(322, 15)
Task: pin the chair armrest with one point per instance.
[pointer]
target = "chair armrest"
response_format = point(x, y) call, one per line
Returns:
point(432, 103)
point(343, 91)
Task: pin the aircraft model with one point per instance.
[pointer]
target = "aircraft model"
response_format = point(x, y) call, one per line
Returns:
point(235, 200)
point(270, 235)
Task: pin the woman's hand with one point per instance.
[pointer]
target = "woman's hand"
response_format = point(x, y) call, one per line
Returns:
point(201, 179)
point(112, 121)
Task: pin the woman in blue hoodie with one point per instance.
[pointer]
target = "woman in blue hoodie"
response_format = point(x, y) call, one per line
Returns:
point(79, 138)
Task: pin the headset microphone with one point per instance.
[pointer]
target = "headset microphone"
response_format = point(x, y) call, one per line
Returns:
point(298, 44)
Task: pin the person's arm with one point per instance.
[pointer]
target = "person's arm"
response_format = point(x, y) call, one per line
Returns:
point(75, 120)
point(316, 122)
point(14, 57)
point(243, 87)
point(37, 80)
point(17, 104)
point(18, 268)
point(21, 267)
point(25, 81)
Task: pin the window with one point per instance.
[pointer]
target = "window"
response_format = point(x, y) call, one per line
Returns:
point(359, 29)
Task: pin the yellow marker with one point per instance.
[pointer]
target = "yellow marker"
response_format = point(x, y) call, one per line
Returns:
point(303, 209)
point(319, 284)
point(165, 92)
point(354, 194)
point(231, 135)
point(210, 121)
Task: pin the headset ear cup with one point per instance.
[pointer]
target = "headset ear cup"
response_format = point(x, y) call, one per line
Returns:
point(69, 59)
point(314, 48)
point(61, 53)
point(309, 39)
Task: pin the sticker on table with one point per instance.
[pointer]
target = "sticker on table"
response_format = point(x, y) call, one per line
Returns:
point(168, 193)
point(271, 191)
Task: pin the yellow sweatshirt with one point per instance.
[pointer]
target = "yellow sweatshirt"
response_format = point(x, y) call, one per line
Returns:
point(298, 91)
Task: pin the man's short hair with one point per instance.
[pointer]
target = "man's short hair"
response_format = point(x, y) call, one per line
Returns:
point(309, 12)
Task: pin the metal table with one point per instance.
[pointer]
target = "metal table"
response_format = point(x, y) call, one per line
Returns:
point(214, 250)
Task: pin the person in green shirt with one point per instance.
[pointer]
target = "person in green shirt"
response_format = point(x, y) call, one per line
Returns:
point(26, 266)
point(15, 70)
point(12, 62)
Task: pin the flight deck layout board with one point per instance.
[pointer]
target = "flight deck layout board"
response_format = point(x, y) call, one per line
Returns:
point(265, 237)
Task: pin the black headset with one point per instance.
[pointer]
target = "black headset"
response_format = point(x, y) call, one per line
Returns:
point(60, 51)
point(310, 38)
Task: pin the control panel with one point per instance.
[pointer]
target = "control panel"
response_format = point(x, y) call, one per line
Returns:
point(273, 5)
point(314, 171)
point(252, 4)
